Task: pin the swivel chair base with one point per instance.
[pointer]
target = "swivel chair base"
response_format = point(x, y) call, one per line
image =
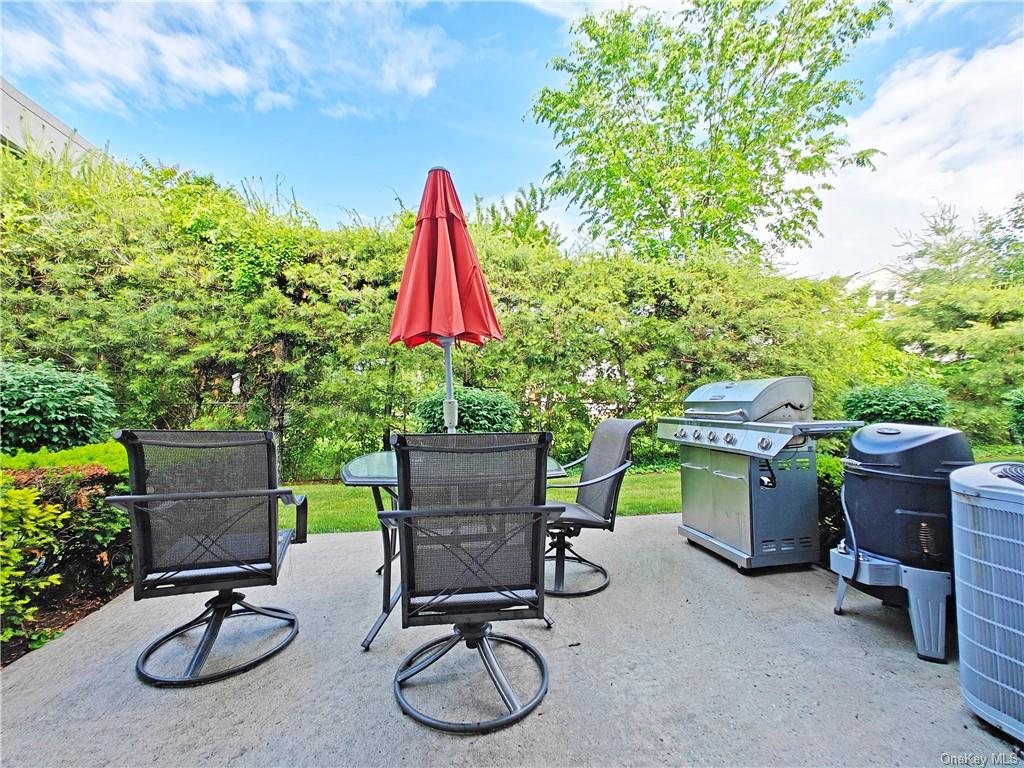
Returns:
point(219, 608)
point(564, 552)
point(480, 637)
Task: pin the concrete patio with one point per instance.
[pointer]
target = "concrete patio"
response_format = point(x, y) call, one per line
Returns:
point(682, 660)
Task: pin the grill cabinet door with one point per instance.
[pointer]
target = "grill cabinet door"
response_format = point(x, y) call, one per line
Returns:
point(730, 473)
point(695, 474)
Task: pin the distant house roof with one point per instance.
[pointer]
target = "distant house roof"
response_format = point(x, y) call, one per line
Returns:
point(880, 277)
point(23, 121)
point(878, 270)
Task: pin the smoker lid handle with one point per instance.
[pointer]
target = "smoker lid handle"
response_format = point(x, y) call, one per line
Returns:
point(820, 429)
point(715, 414)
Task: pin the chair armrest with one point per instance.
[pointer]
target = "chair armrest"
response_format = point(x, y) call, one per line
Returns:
point(298, 500)
point(577, 461)
point(596, 480)
point(402, 514)
point(126, 502)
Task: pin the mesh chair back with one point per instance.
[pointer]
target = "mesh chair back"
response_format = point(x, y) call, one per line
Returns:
point(609, 448)
point(500, 469)
point(485, 560)
point(193, 534)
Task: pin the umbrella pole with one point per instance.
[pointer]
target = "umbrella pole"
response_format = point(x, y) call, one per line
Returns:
point(451, 407)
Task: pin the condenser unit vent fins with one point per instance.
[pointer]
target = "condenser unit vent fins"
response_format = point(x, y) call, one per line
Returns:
point(988, 557)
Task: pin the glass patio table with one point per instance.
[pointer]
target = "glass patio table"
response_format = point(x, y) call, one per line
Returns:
point(379, 472)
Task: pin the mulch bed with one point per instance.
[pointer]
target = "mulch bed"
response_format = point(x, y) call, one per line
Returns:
point(57, 617)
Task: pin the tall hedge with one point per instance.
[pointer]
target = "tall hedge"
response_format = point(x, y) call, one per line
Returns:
point(169, 284)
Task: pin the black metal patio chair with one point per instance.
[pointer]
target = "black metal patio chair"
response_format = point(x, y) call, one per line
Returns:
point(597, 497)
point(204, 513)
point(471, 527)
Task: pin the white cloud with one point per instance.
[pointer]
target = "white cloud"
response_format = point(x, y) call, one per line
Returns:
point(261, 54)
point(268, 100)
point(907, 14)
point(32, 52)
point(341, 110)
point(952, 128)
point(570, 10)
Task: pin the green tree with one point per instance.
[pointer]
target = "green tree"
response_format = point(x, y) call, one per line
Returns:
point(965, 312)
point(719, 126)
point(522, 220)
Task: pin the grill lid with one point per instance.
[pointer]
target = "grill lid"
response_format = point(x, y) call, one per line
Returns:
point(908, 449)
point(787, 398)
point(994, 481)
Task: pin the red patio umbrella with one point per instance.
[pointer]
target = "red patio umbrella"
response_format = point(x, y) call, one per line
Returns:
point(443, 297)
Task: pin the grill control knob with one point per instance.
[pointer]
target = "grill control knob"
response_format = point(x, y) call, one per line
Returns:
point(712, 436)
point(730, 438)
point(697, 434)
point(764, 443)
point(681, 432)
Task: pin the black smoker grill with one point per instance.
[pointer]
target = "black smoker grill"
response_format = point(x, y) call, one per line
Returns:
point(899, 538)
point(747, 460)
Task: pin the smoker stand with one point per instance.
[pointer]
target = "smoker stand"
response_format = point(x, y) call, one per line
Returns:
point(926, 594)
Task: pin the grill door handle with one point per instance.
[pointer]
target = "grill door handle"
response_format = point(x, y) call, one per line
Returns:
point(692, 466)
point(716, 473)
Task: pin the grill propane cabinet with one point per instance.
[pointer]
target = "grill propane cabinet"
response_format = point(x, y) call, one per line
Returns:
point(749, 484)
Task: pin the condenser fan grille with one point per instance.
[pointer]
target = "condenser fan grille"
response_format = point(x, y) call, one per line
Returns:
point(1013, 472)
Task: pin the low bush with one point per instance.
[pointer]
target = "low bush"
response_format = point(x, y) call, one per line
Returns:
point(480, 410)
point(29, 528)
point(905, 403)
point(1015, 402)
point(42, 406)
point(85, 554)
point(831, 522)
point(93, 547)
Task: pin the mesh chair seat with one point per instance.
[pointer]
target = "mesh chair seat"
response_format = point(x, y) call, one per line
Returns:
point(222, 573)
point(579, 516)
point(489, 600)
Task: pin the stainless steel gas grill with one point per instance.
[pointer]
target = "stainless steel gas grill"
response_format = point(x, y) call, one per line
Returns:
point(747, 460)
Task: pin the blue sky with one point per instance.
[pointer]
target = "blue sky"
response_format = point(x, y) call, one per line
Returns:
point(350, 104)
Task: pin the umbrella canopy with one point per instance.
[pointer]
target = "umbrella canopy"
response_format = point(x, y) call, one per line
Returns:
point(443, 296)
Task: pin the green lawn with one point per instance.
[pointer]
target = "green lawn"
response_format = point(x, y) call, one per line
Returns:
point(335, 507)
